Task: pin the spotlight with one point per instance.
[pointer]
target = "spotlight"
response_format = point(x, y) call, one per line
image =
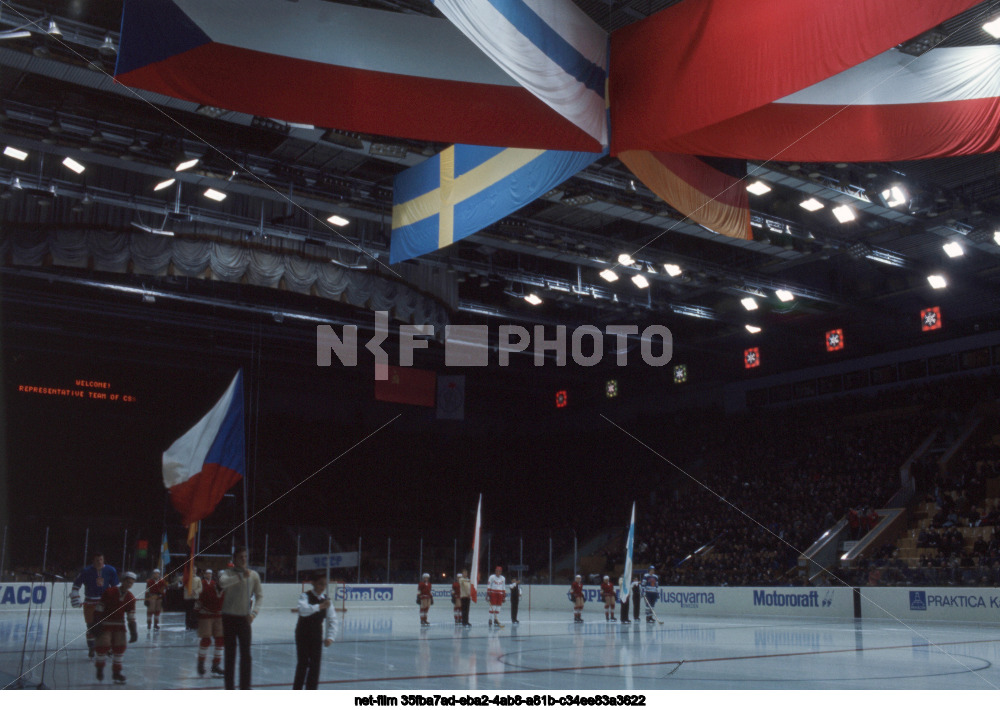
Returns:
point(996, 237)
point(894, 196)
point(108, 49)
point(758, 188)
point(783, 295)
point(843, 213)
point(937, 281)
point(14, 153)
point(533, 299)
point(185, 163)
point(953, 249)
point(752, 328)
point(749, 303)
point(54, 29)
point(625, 259)
point(993, 27)
point(609, 275)
point(812, 204)
point(640, 281)
point(213, 194)
point(338, 221)
point(73, 165)
point(672, 269)
point(164, 185)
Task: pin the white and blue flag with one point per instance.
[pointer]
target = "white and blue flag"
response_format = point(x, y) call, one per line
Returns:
point(550, 47)
point(627, 573)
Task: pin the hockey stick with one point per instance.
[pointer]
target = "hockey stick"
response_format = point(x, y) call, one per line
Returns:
point(650, 607)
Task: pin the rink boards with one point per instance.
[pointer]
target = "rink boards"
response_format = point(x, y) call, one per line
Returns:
point(972, 604)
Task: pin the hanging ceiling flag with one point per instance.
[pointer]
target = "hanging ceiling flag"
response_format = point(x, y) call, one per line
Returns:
point(209, 458)
point(550, 47)
point(930, 318)
point(716, 199)
point(834, 340)
point(663, 90)
point(466, 188)
point(943, 103)
point(335, 65)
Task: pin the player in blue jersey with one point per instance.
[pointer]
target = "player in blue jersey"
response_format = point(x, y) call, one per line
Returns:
point(651, 591)
point(95, 579)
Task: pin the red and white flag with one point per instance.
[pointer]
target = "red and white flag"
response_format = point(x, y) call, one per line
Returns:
point(474, 576)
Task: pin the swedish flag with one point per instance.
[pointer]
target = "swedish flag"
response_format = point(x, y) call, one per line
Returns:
point(466, 188)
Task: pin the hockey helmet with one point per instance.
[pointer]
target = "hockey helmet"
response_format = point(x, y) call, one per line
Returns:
point(208, 573)
point(131, 575)
point(426, 575)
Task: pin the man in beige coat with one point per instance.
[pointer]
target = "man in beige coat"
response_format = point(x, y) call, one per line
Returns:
point(243, 595)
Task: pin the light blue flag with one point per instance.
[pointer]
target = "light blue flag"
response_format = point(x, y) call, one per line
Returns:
point(627, 574)
point(466, 188)
point(164, 554)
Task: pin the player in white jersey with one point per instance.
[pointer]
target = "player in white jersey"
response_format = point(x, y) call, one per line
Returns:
point(496, 589)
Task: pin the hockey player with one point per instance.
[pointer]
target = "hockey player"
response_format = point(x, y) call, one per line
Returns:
point(650, 584)
point(635, 597)
point(209, 606)
point(156, 587)
point(496, 588)
point(456, 598)
point(315, 612)
point(110, 613)
point(608, 593)
point(576, 594)
point(95, 580)
point(425, 598)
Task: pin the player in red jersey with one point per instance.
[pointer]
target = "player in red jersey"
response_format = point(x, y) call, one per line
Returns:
point(425, 598)
point(110, 614)
point(608, 592)
point(209, 607)
point(576, 594)
point(156, 587)
point(496, 589)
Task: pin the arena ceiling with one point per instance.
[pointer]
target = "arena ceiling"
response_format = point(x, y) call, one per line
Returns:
point(868, 277)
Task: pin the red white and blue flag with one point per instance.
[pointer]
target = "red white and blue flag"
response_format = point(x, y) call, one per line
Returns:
point(209, 458)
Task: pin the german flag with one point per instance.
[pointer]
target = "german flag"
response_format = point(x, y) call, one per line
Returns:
point(714, 198)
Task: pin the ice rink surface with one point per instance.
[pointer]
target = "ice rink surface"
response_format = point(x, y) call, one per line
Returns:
point(546, 651)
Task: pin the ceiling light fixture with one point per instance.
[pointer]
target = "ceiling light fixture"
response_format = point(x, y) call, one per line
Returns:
point(953, 249)
point(338, 221)
point(843, 213)
point(752, 328)
point(993, 27)
point(784, 295)
point(640, 281)
point(812, 204)
point(108, 48)
point(609, 275)
point(186, 164)
point(672, 269)
point(533, 299)
point(894, 196)
point(73, 165)
point(758, 188)
point(749, 303)
point(54, 29)
point(937, 281)
point(164, 185)
point(14, 153)
point(214, 194)
point(625, 259)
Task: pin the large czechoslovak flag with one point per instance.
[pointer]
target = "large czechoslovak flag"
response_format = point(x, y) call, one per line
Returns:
point(209, 458)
